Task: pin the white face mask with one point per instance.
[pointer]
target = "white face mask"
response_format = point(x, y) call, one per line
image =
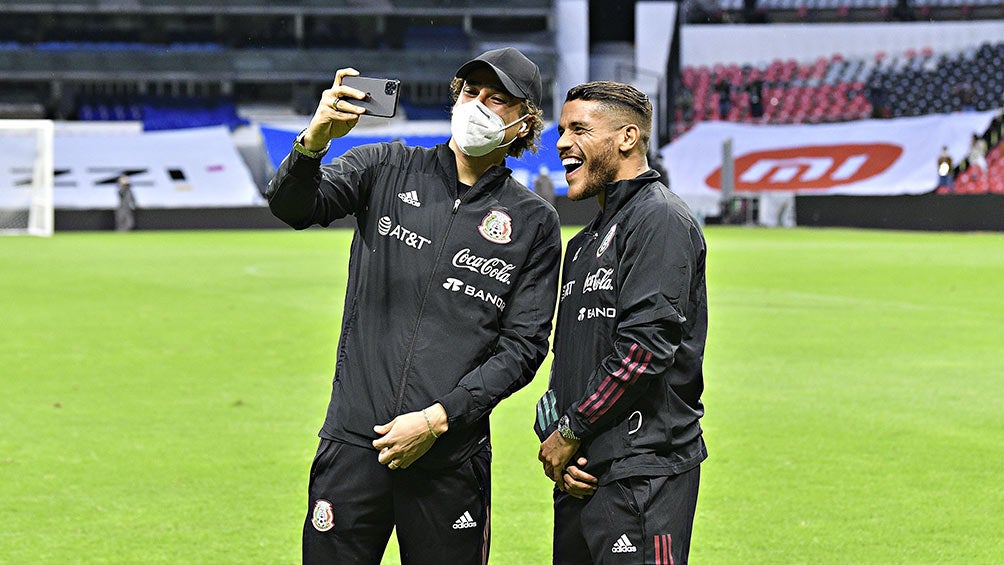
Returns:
point(477, 130)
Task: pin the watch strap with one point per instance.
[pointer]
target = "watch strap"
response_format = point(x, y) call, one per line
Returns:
point(299, 147)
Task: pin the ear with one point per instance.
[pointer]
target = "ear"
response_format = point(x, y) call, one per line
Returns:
point(523, 128)
point(629, 138)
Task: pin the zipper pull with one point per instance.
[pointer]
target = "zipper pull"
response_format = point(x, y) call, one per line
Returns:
point(456, 205)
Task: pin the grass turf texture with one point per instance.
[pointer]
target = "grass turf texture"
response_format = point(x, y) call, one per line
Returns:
point(160, 395)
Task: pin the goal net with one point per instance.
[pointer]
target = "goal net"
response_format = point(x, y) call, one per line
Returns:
point(26, 177)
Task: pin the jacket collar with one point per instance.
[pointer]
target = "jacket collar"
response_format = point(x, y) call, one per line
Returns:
point(493, 178)
point(619, 193)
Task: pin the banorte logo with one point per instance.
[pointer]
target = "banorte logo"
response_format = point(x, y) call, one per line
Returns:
point(809, 167)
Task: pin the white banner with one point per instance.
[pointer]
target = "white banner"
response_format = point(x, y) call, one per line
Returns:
point(168, 169)
point(18, 154)
point(871, 157)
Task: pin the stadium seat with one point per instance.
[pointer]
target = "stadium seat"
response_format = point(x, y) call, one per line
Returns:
point(838, 88)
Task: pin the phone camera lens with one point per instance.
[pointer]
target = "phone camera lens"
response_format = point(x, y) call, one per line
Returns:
point(390, 88)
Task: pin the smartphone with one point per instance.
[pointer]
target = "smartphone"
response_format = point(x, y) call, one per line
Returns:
point(381, 95)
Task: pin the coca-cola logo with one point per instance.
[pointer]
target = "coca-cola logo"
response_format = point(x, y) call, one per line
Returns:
point(602, 279)
point(491, 267)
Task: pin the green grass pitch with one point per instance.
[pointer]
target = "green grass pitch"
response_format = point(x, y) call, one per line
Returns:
point(160, 395)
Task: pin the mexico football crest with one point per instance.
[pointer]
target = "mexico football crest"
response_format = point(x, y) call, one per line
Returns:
point(606, 241)
point(496, 227)
point(323, 517)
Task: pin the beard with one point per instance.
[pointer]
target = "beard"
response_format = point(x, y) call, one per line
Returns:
point(601, 170)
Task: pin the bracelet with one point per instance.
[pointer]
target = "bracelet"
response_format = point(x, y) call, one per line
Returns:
point(429, 423)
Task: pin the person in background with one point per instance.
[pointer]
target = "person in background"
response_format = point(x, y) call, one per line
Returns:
point(1000, 132)
point(978, 152)
point(543, 185)
point(945, 172)
point(125, 212)
point(995, 132)
point(755, 90)
point(752, 14)
point(724, 90)
point(620, 424)
point(879, 100)
point(451, 291)
point(903, 11)
point(966, 94)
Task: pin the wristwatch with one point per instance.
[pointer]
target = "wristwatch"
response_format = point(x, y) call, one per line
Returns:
point(565, 431)
point(299, 148)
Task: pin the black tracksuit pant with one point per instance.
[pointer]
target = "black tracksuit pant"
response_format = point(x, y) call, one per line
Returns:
point(632, 521)
point(441, 516)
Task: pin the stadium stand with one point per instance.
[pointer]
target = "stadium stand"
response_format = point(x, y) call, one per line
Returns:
point(99, 60)
point(173, 64)
point(972, 179)
point(827, 11)
point(836, 89)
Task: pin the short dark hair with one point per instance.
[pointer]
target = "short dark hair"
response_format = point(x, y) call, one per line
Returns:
point(618, 97)
point(528, 107)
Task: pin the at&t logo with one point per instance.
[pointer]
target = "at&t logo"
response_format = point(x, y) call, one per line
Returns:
point(386, 227)
point(567, 289)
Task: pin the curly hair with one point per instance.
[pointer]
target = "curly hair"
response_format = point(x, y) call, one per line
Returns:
point(521, 144)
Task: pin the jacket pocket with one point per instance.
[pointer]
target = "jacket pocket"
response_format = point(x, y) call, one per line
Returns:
point(634, 492)
point(326, 451)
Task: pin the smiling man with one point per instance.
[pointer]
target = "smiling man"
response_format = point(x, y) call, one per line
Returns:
point(620, 423)
point(451, 290)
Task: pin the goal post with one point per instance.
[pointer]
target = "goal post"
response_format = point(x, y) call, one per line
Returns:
point(26, 177)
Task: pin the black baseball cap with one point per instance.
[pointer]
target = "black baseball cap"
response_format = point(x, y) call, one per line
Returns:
point(519, 75)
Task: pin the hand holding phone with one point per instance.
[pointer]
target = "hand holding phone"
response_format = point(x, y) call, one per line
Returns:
point(381, 94)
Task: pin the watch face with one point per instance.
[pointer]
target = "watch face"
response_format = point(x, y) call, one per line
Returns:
point(563, 429)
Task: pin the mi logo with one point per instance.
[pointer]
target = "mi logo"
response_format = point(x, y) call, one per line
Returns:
point(809, 167)
point(805, 169)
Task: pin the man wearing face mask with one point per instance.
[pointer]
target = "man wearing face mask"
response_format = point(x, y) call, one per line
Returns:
point(452, 283)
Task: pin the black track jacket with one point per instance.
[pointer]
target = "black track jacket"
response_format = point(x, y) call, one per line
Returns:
point(629, 341)
point(449, 299)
